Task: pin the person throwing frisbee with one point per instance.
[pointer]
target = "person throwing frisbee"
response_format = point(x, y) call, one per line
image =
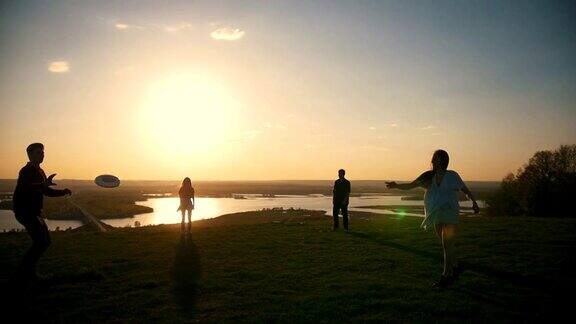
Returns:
point(442, 209)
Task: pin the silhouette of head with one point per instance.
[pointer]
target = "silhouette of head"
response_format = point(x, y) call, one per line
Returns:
point(186, 182)
point(35, 152)
point(440, 160)
point(186, 185)
point(341, 173)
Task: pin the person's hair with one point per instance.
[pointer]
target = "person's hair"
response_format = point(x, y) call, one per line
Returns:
point(186, 186)
point(442, 157)
point(342, 171)
point(34, 146)
point(427, 177)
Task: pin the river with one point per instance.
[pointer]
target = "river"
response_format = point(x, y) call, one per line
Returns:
point(206, 207)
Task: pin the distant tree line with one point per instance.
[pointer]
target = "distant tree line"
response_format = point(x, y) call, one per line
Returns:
point(545, 187)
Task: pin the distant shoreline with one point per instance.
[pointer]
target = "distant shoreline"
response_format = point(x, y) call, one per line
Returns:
point(121, 202)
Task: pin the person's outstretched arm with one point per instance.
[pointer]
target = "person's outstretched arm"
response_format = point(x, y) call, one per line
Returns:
point(49, 192)
point(28, 179)
point(421, 181)
point(402, 186)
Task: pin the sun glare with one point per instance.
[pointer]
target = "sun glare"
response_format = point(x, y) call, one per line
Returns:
point(187, 114)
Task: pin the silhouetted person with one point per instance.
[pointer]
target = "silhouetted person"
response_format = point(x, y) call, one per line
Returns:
point(442, 208)
point(28, 199)
point(187, 201)
point(340, 200)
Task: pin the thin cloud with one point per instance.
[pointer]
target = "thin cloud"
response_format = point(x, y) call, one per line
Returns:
point(393, 125)
point(227, 34)
point(124, 26)
point(59, 67)
point(372, 128)
point(429, 127)
point(177, 27)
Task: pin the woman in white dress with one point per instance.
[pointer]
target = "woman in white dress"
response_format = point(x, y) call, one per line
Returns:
point(442, 208)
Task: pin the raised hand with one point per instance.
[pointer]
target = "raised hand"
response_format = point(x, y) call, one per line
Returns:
point(49, 180)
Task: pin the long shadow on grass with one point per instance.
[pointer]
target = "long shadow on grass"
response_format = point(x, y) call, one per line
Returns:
point(186, 273)
point(509, 277)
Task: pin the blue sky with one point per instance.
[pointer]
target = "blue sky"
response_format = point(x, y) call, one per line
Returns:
point(302, 87)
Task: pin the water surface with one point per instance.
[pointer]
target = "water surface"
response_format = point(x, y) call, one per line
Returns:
point(8, 222)
point(165, 209)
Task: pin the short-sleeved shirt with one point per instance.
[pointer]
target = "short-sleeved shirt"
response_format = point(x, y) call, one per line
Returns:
point(341, 190)
point(441, 200)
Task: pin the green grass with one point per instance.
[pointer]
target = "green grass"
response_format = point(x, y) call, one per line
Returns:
point(289, 267)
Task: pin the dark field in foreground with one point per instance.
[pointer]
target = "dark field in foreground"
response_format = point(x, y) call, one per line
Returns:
point(266, 266)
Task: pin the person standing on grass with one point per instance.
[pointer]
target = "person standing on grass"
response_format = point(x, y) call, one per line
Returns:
point(187, 201)
point(340, 200)
point(28, 199)
point(442, 208)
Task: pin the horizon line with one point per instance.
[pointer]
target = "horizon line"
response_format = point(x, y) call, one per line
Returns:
point(249, 180)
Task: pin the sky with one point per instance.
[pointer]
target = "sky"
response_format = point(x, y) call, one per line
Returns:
point(275, 90)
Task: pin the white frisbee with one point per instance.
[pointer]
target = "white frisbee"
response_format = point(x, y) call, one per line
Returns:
point(107, 181)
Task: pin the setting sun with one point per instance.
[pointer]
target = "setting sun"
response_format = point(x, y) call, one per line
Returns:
point(187, 114)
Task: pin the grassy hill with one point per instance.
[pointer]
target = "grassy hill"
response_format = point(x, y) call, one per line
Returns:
point(287, 267)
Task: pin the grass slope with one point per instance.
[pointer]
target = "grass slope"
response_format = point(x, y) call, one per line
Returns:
point(286, 267)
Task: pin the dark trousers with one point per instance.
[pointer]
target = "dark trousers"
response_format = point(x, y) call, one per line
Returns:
point(38, 231)
point(335, 210)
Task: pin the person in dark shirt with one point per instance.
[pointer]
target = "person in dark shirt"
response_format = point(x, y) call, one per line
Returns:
point(340, 199)
point(27, 200)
